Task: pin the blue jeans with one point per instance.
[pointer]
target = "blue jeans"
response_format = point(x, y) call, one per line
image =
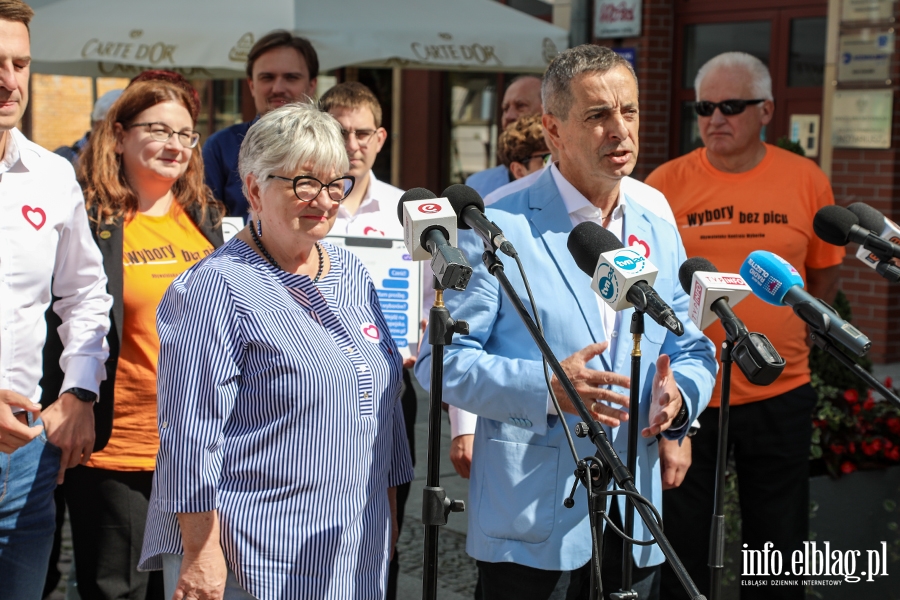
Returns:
point(27, 517)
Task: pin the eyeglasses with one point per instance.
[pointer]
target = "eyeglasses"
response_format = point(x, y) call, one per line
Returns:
point(363, 136)
point(705, 108)
point(307, 188)
point(162, 132)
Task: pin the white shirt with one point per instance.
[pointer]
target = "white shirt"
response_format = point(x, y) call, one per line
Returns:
point(580, 210)
point(45, 239)
point(376, 215)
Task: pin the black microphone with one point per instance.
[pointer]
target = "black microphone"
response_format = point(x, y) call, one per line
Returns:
point(619, 275)
point(469, 208)
point(754, 354)
point(839, 226)
point(429, 224)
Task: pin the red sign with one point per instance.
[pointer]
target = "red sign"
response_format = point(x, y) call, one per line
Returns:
point(429, 208)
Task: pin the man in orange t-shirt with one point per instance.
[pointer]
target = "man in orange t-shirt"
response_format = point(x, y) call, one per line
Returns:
point(736, 195)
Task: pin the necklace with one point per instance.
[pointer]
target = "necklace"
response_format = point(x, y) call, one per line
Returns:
point(275, 263)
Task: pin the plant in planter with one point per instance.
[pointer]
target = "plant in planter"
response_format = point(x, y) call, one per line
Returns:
point(851, 430)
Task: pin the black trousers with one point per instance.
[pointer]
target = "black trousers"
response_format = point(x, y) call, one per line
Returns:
point(770, 440)
point(108, 512)
point(410, 407)
point(501, 581)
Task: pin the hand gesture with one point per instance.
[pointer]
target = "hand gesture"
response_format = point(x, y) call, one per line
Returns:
point(665, 399)
point(587, 383)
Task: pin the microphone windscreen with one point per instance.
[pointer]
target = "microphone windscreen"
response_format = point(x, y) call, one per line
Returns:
point(833, 223)
point(869, 218)
point(587, 242)
point(691, 266)
point(460, 197)
point(412, 195)
point(769, 276)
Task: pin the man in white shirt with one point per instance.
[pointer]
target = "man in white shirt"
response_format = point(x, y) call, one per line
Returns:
point(370, 210)
point(45, 248)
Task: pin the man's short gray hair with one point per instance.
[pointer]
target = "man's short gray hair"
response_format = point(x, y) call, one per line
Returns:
point(290, 137)
point(556, 89)
point(760, 79)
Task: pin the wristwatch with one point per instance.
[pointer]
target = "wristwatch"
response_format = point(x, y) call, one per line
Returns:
point(82, 394)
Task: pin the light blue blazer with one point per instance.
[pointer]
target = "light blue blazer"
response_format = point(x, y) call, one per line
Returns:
point(522, 469)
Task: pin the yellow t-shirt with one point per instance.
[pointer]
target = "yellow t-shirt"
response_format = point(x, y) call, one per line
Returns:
point(725, 216)
point(155, 251)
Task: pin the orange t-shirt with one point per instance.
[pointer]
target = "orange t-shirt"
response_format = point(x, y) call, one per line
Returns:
point(725, 216)
point(155, 251)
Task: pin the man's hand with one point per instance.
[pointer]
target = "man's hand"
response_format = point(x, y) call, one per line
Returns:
point(13, 433)
point(587, 383)
point(70, 427)
point(461, 454)
point(409, 363)
point(675, 460)
point(665, 399)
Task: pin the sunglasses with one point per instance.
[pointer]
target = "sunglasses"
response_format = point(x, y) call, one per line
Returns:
point(705, 108)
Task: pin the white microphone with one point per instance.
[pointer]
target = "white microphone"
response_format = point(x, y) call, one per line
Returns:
point(879, 225)
point(706, 286)
point(429, 232)
point(622, 277)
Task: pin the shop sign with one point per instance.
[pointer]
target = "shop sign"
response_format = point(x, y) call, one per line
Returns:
point(865, 55)
point(617, 18)
point(862, 118)
point(867, 10)
point(155, 53)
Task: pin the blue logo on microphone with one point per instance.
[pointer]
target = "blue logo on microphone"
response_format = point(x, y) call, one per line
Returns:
point(629, 260)
point(606, 282)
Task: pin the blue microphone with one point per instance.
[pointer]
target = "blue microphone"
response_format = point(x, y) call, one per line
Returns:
point(773, 280)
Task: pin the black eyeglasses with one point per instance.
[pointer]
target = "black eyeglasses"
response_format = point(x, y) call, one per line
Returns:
point(162, 132)
point(307, 188)
point(705, 108)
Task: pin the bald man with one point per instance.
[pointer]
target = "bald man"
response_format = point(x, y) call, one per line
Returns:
point(522, 99)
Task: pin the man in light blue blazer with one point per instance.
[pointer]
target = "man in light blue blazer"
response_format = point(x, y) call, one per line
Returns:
point(527, 545)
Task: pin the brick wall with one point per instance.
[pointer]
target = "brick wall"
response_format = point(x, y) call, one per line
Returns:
point(61, 107)
point(654, 69)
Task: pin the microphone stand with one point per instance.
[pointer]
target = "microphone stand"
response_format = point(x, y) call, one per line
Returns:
point(605, 450)
point(637, 330)
point(435, 504)
point(717, 527)
point(824, 343)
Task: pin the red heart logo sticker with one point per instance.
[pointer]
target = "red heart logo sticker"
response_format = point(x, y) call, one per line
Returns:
point(634, 241)
point(35, 216)
point(370, 330)
point(371, 230)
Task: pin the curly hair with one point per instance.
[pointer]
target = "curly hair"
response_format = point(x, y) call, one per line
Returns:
point(521, 139)
point(108, 195)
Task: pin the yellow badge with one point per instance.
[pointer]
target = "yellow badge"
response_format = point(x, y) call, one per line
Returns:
point(105, 235)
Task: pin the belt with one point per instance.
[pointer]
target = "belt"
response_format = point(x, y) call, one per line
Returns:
point(22, 417)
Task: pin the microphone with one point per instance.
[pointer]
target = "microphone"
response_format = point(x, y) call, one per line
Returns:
point(469, 208)
point(622, 277)
point(429, 231)
point(886, 229)
point(712, 295)
point(773, 280)
point(839, 226)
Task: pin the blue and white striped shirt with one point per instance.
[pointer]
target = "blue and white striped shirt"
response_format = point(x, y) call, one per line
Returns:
point(279, 407)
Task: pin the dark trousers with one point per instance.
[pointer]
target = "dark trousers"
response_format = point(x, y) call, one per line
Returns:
point(108, 513)
point(770, 440)
point(501, 581)
point(410, 407)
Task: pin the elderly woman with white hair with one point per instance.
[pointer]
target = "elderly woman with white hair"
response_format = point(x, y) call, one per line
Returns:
point(281, 433)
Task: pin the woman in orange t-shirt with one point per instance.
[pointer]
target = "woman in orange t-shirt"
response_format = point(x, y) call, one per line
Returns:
point(153, 218)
